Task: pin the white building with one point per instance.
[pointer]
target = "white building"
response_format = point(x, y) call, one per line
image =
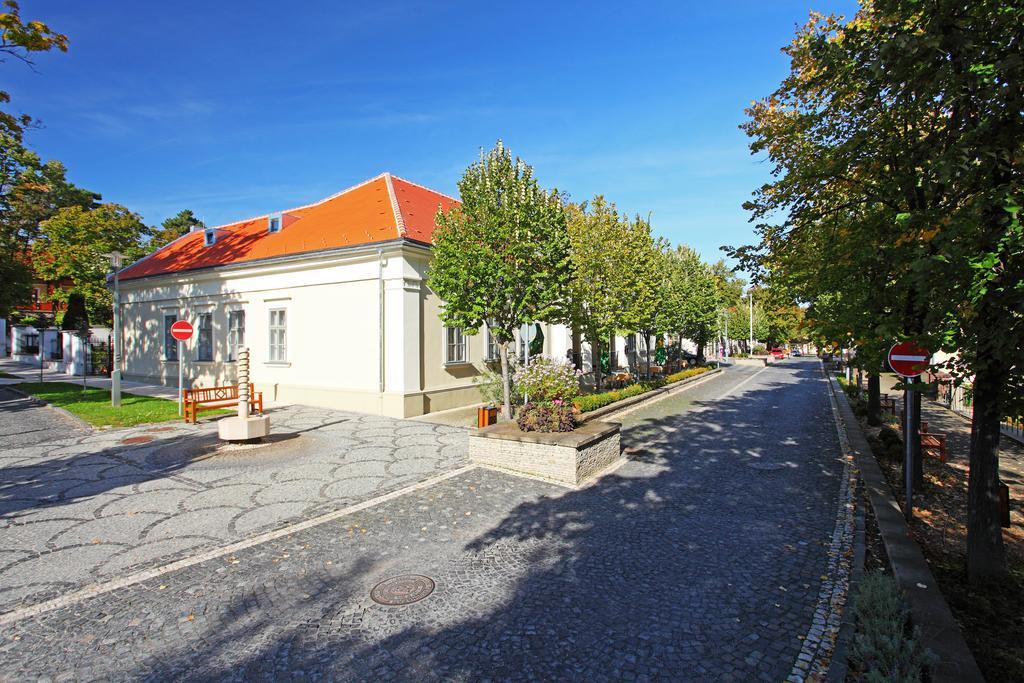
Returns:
point(330, 298)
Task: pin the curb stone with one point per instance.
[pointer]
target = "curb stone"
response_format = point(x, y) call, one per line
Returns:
point(929, 609)
point(822, 653)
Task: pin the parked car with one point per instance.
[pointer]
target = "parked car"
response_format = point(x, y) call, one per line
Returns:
point(795, 353)
point(777, 353)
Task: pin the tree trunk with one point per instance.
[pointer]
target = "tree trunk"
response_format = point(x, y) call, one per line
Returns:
point(506, 389)
point(986, 557)
point(874, 399)
point(595, 360)
point(647, 352)
point(700, 353)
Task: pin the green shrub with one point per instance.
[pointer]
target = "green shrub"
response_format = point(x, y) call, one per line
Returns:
point(885, 645)
point(686, 374)
point(489, 383)
point(594, 401)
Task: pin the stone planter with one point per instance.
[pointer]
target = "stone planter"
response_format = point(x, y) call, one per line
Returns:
point(566, 457)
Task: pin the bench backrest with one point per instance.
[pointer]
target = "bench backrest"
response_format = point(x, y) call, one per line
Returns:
point(226, 393)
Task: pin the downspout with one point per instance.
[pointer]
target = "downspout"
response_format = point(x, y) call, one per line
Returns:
point(380, 326)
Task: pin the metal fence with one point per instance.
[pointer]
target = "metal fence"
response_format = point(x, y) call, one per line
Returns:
point(960, 399)
point(97, 358)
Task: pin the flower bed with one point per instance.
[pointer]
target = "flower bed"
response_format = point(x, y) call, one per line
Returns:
point(592, 402)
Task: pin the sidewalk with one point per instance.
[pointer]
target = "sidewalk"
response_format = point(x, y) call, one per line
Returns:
point(27, 373)
point(957, 429)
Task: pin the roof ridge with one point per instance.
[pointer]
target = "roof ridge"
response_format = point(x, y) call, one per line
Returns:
point(304, 206)
point(424, 187)
point(395, 208)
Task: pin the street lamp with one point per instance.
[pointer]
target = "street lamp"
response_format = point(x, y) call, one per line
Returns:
point(750, 295)
point(115, 372)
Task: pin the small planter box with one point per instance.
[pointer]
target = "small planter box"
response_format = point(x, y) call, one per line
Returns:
point(566, 457)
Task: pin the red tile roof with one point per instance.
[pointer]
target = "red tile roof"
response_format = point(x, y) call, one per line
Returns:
point(378, 210)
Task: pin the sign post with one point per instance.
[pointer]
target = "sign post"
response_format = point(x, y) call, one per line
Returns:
point(908, 360)
point(527, 332)
point(181, 330)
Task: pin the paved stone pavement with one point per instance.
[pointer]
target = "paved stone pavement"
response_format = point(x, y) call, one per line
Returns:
point(701, 558)
point(78, 506)
point(957, 428)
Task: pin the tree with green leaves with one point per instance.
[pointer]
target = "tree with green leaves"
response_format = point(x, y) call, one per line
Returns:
point(501, 257)
point(74, 244)
point(174, 227)
point(643, 282)
point(595, 297)
point(693, 299)
point(898, 136)
point(30, 190)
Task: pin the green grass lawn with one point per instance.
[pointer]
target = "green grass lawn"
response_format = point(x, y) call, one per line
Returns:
point(7, 375)
point(93, 405)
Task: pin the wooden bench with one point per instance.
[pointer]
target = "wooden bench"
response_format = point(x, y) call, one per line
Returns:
point(933, 445)
point(887, 403)
point(211, 398)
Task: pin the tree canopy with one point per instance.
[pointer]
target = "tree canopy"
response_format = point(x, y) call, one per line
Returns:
point(501, 258)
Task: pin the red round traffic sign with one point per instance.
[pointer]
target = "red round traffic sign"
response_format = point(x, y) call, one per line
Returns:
point(908, 359)
point(182, 330)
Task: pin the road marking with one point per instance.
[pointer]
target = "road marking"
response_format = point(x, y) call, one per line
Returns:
point(730, 392)
point(212, 554)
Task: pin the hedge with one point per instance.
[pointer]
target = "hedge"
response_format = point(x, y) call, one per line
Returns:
point(594, 401)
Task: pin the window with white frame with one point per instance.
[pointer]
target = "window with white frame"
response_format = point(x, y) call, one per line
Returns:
point(630, 343)
point(204, 342)
point(170, 343)
point(455, 348)
point(274, 223)
point(236, 333)
point(493, 351)
point(278, 335)
point(210, 237)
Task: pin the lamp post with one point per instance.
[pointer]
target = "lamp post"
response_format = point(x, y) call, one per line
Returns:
point(115, 372)
point(750, 296)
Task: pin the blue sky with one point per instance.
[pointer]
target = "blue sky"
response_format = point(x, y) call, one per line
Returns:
point(237, 109)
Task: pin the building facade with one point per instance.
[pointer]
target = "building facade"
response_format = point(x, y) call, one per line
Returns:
point(330, 298)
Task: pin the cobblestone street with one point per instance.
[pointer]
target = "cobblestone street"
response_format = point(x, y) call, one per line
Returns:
point(703, 557)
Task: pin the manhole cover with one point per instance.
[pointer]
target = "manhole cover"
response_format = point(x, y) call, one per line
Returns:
point(132, 440)
point(402, 590)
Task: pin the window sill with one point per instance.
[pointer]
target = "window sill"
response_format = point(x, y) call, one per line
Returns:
point(456, 363)
point(203, 362)
point(168, 362)
point(278, 363)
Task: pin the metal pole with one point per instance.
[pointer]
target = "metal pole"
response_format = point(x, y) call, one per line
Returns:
point(181, 373)
point(908, 455)
point(727, 337)
point(750, 295)
point(115, 374)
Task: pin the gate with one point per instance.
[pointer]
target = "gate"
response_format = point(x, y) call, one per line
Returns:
point(97, 358)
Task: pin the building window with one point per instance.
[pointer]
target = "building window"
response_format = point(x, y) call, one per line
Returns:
point(236, 333)
point(493, 351)
point(204, 344)
point(170, 343)
point(455, 346)
point(274, 223)
point(278, 336)
point(210, 238)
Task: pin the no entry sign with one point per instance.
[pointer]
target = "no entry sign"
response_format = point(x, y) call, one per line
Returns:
point(908, 359)
point(182, 330)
